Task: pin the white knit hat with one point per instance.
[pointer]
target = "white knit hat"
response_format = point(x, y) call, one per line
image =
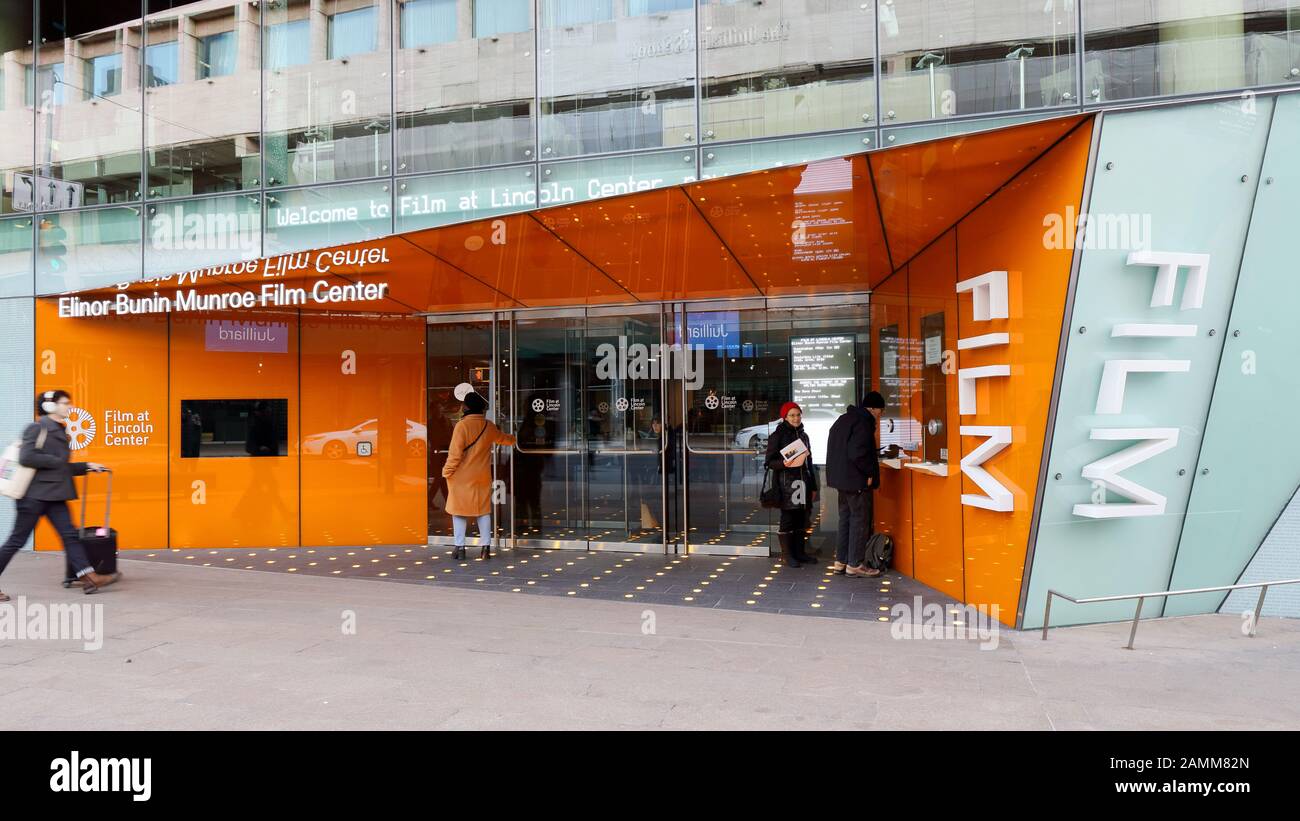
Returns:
point(462, 390)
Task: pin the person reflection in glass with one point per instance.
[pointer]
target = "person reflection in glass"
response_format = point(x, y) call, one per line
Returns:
point(191, 433)
point(534, 433)
point(261, 440)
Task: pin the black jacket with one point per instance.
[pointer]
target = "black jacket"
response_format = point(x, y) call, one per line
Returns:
point(786, 477)
point(852, 457)
point(53, 479)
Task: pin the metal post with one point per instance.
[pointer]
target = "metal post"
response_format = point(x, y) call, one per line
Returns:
point(1259, 606)
point(1022, 82)
point(1047, 614)
point(664, 359)
point(934, 109)
point(1137, 614)
point(517, 430)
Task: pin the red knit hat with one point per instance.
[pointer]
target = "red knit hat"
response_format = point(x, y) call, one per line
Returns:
point(789, 406)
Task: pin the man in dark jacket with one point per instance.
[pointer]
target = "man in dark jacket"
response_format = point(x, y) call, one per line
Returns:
point(45, 447)
point(853, 469)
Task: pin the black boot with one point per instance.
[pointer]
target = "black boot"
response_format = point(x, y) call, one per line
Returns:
point(787, 557)
point(486, 552)
point(799, 540)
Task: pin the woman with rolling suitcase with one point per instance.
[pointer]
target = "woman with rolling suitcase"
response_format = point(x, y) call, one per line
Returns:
point(45, 451)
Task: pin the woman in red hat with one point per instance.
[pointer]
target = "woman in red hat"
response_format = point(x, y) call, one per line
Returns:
point(797, 480)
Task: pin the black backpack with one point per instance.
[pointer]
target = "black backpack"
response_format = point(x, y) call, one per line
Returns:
point(880, 551)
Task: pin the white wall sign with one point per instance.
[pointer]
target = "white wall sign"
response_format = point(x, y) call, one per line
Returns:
point(1104, 473)
point(270, 295)
point(991, 300)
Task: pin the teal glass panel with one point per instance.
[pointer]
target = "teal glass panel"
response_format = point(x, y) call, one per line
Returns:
point(441, 199)
point(304, 218)
point(611, 176)
point(1176, 180)
point(185, 234)
point(17, 389)
point(16, 257)
point(1250, 461)
point(722, 160)
point(76, 250)
point(1278, 558)
point(891, 137)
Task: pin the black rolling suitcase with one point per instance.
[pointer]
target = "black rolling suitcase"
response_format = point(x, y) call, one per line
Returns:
point(100, 542)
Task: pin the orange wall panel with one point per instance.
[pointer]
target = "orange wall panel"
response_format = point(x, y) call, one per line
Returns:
point(116, 370)
point(893, 500)
point(936, 500)
point(363, 381)
point(1006, 233)
point(241, 500)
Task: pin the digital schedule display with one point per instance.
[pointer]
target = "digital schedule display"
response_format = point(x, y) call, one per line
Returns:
point(823, 380)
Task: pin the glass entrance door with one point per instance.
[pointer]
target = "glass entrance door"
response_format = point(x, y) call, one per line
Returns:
point(548, 408)
point(757, 355)
point(644, 427)
point(588, 400)
point(459, 351)
point(729, 405)
point(626, 439)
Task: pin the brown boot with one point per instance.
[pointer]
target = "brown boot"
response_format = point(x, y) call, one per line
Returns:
point(92, 581)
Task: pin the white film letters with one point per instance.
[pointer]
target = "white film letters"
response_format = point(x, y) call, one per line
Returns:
point(1105, 472)
point(990, 301)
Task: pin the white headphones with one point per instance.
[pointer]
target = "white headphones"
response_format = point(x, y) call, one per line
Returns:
point(47, 403)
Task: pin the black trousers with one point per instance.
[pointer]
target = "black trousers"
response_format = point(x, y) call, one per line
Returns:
point(856, 512)
point(30, 512)
point(793, 520)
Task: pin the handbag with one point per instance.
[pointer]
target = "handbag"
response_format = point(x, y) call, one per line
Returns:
point(15, 477)
point(770, 495)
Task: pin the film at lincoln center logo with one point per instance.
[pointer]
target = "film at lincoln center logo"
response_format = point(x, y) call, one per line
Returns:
point(80, 428)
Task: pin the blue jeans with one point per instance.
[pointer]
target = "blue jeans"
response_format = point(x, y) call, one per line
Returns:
point(30, 512)
point(460, 524)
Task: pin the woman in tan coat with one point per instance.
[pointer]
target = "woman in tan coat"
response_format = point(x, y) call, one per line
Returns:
point(468, 472)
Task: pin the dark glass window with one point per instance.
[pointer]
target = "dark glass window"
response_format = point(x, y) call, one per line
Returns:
point(234, 427)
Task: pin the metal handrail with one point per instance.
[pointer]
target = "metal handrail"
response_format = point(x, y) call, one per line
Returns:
point(1142, 597)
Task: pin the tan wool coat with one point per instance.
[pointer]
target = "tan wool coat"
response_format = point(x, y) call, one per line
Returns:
point(469, 473)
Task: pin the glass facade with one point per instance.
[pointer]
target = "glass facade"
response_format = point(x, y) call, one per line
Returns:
point(173, 100)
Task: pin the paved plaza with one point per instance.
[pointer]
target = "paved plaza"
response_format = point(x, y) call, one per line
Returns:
point(211, 647)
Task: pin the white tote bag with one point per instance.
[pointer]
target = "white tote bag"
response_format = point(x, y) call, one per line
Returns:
point(15, 477)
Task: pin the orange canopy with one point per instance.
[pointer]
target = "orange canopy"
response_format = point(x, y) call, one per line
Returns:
point(828, 226)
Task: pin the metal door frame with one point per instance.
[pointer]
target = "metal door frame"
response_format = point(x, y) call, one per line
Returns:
point(586, 543)
point(504, 393)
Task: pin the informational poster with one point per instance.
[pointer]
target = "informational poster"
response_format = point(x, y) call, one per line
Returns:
point(823, 213)
point(933, 350)
point(823, 380)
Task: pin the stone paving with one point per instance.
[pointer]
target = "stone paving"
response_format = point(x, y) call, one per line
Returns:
point(188, 646)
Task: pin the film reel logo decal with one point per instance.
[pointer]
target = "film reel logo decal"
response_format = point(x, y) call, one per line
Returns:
point(80, 428)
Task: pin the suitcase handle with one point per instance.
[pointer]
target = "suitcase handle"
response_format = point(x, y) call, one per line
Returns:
point(108, 499)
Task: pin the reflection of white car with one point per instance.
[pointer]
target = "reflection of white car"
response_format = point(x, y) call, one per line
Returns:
point(816, 422)
point(337, 444)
